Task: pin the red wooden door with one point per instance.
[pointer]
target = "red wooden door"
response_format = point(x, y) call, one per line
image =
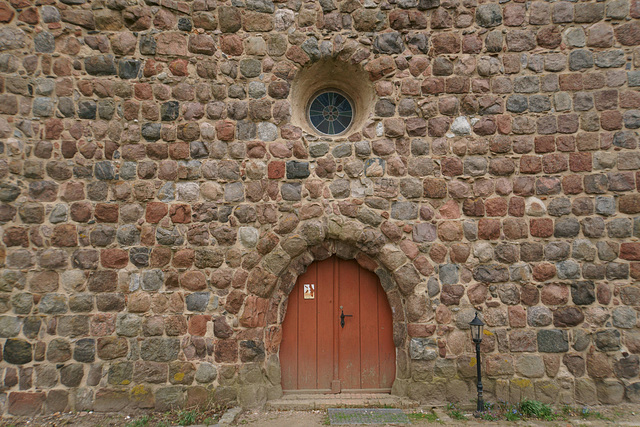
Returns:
point(317, 353)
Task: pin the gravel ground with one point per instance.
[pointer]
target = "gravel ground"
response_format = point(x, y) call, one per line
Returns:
point(621, 415)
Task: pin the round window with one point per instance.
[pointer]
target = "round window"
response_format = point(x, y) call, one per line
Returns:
point(330, 112)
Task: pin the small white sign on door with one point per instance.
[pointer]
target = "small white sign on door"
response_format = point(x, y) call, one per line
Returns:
point(309, 291)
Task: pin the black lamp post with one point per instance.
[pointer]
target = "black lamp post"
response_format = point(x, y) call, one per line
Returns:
point(476, 334)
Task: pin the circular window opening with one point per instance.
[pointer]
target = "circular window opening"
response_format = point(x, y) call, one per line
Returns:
point(330, 112)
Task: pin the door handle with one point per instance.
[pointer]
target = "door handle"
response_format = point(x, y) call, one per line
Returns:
point(342, 316)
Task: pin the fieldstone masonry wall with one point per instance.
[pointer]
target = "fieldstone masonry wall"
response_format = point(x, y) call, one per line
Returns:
point(158, 203)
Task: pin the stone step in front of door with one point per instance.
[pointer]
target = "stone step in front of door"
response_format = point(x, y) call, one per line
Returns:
point(305, 402)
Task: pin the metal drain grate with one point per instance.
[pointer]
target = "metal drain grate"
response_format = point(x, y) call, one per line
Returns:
point(344, 416)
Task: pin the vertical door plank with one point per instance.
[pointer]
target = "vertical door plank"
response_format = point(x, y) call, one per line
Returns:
point(307, 333)
point(325, 326)
point(369, 330)
point(289, 344)
point(387, 349)
point(350, 334)
point(336, 325)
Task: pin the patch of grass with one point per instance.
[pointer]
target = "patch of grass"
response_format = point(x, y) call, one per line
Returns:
point(587, 413)
point(187, 418)
point(537, 409)
point(513, 415)
point(423, 416)
point(526, 409)
point(207, 413)
point(455, 413)
point(584, 412)
point(141, 422)
point(489, 416)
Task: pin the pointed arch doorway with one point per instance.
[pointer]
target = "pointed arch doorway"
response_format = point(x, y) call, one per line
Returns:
point(324, 352)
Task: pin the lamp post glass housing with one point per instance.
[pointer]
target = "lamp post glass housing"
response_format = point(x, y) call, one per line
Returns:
point(477, 326)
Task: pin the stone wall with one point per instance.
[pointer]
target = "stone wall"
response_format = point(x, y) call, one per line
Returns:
point(159, 199)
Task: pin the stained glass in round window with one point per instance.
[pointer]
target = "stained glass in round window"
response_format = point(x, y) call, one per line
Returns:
point(330, 113)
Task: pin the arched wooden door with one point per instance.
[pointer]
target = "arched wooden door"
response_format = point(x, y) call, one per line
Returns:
point(318, 353)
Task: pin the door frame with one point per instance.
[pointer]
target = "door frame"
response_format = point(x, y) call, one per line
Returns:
point(395, 298)
point(327, 305)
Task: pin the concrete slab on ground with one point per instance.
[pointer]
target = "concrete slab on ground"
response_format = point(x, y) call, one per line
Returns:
point(305, 402)
point(347, 416)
